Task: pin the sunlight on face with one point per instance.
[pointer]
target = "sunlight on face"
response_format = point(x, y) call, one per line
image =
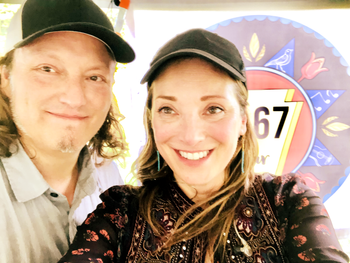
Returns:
point(197, 121)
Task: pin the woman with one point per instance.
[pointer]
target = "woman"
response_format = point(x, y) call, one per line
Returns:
point(200, 200)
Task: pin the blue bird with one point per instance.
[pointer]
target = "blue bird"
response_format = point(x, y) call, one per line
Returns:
point(281, 61)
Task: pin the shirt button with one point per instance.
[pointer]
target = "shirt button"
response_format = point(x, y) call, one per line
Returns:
point(54, 195)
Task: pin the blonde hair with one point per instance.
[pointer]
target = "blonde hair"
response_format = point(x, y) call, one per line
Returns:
point(218, 217)
point(109, 142)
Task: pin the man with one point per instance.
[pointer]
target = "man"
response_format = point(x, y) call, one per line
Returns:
point(56, 122)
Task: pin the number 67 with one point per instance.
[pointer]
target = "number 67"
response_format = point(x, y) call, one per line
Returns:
point(265, 122)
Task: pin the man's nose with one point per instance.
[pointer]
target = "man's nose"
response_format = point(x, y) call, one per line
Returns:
point(74, 92)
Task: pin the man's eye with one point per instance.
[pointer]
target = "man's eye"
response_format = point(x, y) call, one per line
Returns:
point(214, 110)
point(96, 78)
point(166, 110)
point(47, 69)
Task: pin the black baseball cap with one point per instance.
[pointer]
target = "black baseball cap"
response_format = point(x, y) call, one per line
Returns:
point(202, 43)
point(37, 17)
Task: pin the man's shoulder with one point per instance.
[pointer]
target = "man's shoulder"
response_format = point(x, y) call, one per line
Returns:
point(107, 174)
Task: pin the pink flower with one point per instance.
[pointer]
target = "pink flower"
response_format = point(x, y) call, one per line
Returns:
point(312, 68)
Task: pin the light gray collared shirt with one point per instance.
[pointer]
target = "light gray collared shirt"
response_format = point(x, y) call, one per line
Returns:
point(36, 222)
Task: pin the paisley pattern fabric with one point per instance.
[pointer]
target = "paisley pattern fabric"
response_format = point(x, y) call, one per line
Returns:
point(280, 220)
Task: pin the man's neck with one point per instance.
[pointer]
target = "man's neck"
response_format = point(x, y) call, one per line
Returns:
point(60, 170)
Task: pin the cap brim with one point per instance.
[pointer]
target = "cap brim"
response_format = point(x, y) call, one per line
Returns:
point(230, 70)
point(123, 53)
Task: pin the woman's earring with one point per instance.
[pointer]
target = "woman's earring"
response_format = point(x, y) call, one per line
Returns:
point(158, 161)
point(242, 161)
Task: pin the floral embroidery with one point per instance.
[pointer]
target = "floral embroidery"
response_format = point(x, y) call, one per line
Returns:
point(80, 251)
point(298, 190)
point(98, 260)
point(324, 212)
point(294, 226)
point(109, 254)
point(90, 236)
point(324, 229)
point(88, 220)
point(262, 224)
point(307, 255)
point(303, 203)
point(105, 234)
point(299, 240)
point(117, 218)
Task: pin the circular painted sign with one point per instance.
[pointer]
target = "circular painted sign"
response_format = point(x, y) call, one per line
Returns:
point(299, 96)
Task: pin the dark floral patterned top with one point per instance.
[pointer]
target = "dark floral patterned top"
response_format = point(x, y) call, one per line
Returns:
point(280, 219)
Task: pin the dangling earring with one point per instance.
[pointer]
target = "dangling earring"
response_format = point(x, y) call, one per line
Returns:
point(242, 161)
point(158, 161)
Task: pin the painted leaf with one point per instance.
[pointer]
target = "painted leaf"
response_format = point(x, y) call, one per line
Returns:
point(261, 54)
point(328, 120)
point(246, 54)
point(328, 133)
point(338, 126)
point(254, 45)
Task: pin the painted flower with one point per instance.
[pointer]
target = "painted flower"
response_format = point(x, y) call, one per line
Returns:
point(311, 181)
point(312, 68)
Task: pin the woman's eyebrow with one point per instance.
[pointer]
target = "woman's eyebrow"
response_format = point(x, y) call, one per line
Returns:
point(167, 98)
point(212, 97)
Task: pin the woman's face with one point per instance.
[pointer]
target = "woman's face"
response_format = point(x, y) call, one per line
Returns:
point(196, 121)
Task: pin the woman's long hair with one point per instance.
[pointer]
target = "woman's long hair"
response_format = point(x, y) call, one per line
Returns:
point(109, 142)
point(218, 216)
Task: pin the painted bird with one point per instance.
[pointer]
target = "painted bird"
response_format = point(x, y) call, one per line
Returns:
point(282, 60)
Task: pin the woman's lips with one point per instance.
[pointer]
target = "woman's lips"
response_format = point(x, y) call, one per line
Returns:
point(194, 157)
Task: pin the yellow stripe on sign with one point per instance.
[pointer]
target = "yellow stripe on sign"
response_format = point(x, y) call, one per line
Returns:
point(289, 137)
point(289, 95)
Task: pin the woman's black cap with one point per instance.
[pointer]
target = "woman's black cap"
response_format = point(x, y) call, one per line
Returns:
point(202, 43)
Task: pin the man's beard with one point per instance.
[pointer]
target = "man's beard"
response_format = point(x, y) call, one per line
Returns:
point(66, 144)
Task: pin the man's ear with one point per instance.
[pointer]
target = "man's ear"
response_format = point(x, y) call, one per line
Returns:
point(5, 80)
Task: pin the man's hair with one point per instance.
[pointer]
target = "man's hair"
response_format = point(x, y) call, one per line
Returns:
point(109, 142)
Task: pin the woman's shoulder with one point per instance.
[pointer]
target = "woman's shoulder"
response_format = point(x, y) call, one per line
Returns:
point(286, 189)
point(121, 196)
point(292, 182)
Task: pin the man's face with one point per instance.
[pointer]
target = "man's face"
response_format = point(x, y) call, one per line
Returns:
point(60, 88)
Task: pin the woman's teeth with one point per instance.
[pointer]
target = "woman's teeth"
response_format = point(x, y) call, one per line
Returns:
point(194, 156)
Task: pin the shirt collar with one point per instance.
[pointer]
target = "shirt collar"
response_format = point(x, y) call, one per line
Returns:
point(87, 182)
point(27, 182)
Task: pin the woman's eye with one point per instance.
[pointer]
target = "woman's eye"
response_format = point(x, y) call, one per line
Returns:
point(47, 69)
point(214, 110)
point(166, 110)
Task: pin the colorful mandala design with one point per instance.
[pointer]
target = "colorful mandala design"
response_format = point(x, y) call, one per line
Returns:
point(299, 95)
